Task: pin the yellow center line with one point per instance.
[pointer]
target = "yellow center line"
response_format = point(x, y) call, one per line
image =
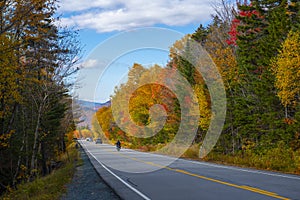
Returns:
point(256, 189)
point(244, 187)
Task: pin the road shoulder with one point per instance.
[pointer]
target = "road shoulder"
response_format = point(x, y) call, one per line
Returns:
point(87, 184)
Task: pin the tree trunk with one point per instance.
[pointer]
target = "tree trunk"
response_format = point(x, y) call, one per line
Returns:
point(35, 143)
point(44, 159)
point(19, 160)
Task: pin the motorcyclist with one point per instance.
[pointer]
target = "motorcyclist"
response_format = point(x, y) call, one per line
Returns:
point(118, 144)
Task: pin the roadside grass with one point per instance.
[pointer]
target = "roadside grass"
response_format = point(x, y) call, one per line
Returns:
point(276, 159)
point(192, 152)
point(280, 158)
point(51, 186)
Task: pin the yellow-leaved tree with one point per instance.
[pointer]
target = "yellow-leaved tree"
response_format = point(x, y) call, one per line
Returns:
point(286, 68)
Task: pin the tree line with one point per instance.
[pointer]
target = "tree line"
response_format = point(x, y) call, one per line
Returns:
point(256, 48)
point(36, 59)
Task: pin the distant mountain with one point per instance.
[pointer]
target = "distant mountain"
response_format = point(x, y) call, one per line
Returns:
point(87, 109)
point(92, 105)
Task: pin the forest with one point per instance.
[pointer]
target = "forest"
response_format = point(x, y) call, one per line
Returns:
point(37, 57)
point(255, 46)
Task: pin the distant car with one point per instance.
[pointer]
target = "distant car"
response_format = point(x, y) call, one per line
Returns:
point(98, 141)
point(89, 139)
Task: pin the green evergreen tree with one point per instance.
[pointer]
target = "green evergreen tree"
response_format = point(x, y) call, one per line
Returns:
point(264, 24)
point(35, 59)
point(200, 34)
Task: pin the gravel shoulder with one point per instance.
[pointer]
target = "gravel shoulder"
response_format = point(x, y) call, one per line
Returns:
point(87, 184)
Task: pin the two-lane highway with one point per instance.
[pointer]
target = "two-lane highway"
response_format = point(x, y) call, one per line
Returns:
point(138, 175)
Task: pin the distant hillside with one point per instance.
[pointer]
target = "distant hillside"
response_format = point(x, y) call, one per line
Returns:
point(92, 105)
point(87, 110)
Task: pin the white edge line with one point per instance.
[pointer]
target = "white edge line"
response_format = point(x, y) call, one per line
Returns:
point(244, 170)
point(124, 182)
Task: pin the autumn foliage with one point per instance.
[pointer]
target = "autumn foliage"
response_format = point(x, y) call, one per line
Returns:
point(255, 47)
point(36, 56)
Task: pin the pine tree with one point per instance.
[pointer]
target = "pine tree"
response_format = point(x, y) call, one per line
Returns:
point(180, 59)
point(200, 34)
point(34, 60)
point(263, 25)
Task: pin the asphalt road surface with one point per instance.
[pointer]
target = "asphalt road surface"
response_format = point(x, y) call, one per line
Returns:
point(137, 175)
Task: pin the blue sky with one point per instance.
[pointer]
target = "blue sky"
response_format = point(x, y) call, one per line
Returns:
point(101, 22)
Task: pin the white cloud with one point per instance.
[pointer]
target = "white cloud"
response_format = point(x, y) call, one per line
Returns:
point(90, 63)
point(120, 15)
point(80, 5)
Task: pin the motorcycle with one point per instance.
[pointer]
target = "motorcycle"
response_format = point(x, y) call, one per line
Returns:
point(118, 147)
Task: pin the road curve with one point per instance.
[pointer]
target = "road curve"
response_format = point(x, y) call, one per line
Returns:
point(138, 175)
